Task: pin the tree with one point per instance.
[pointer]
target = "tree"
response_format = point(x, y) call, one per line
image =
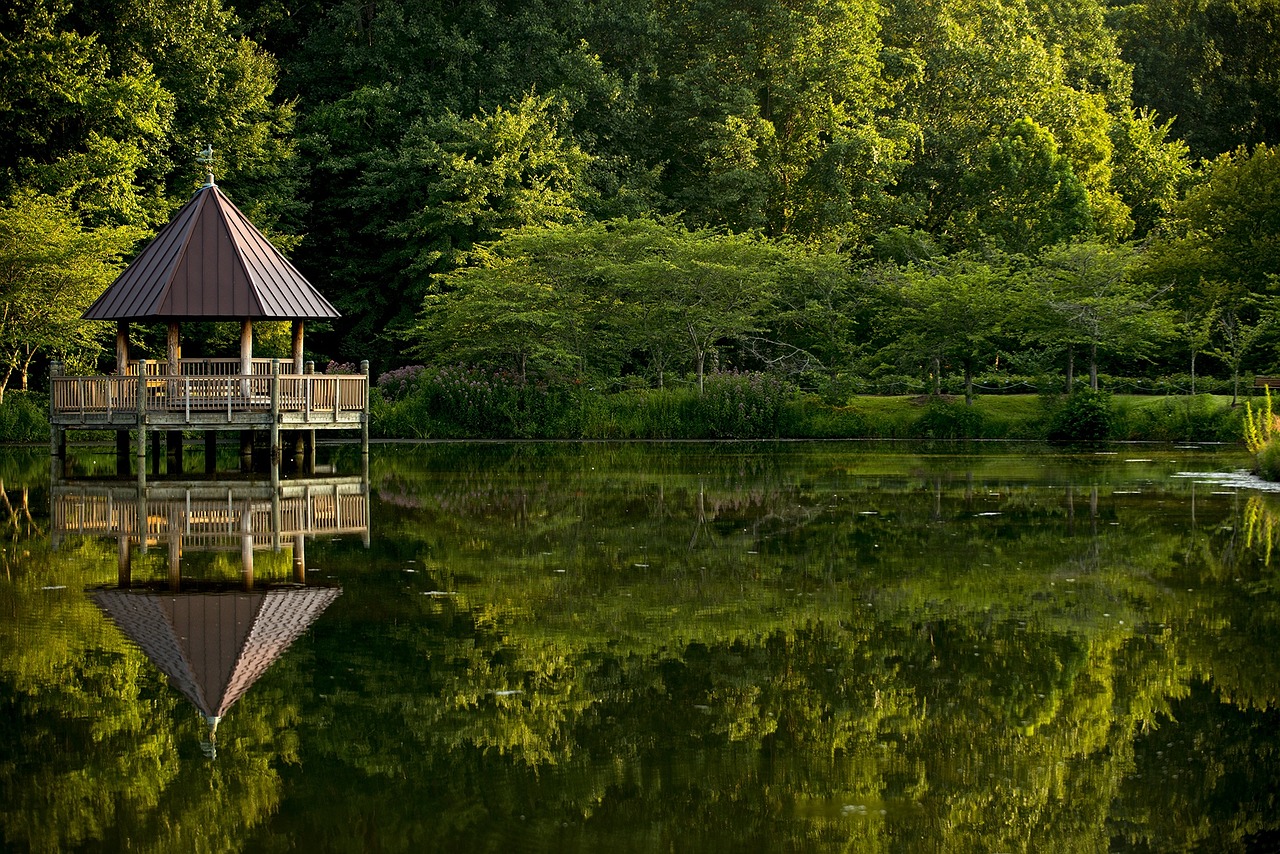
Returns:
point(767, 116)
point(427, 196)
point(1091, 300)
point(563, 296)
point(1029, 195)
point(138, 89)
point(51, 270)
point(951, 311)
point(1214, 65)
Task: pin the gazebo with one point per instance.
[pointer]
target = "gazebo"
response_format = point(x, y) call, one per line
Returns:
point(208, 264)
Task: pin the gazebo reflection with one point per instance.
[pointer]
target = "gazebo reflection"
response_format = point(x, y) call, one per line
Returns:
point(212, 638)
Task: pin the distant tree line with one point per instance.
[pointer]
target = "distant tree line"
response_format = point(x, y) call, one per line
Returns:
point(652, 190)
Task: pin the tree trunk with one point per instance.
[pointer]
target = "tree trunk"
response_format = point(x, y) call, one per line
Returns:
point(1071, 369)
point(937, 376)
point(968, 383)
point(1093, 366)
point(1193, 373)
point(26, 367)
point(700, 360)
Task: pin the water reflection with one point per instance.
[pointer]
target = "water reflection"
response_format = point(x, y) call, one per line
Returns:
point(631, 648)
point(211, 637)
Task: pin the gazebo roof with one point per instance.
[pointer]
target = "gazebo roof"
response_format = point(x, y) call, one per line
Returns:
point(214, 646)
point(210, 263)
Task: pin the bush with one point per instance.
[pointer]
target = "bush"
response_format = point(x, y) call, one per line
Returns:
point(1179, 419)
point(742, 405)
point(24, 417)
point(471, 402)
point(1083, 416)
point(1269, 461)
point(395, 384)
point(947, 419)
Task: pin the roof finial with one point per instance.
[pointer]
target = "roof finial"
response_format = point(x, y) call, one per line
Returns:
point(206, 157)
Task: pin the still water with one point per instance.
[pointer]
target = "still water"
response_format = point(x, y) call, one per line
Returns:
point(691, 647)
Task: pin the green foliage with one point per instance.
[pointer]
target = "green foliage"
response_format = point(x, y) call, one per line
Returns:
point(460, 401)
point(947, 419)
point(51, 270)
point(1083, 416)
point(742, 405)
point(1268, 460)
point(1259, 427)
point(1212, 64)
point(1182, 418)
point(24, 417)
point(1035, 198)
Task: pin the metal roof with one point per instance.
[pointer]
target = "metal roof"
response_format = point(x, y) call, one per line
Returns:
point(214, 646)
point(210, 263)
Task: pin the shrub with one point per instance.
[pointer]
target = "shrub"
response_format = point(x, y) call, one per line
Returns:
point(24, 417)
point(947, 419)
point(395, 384)
point(1083, 416)
point(742, 405)
point(1269, 461)
point(458, 401)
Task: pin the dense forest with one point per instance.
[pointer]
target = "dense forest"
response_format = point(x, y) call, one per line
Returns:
point(636, 193)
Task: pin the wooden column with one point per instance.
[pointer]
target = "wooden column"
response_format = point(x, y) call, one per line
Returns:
point(246, 547)
point(246, 348)
point(309, 454)
point(364, 416)
point(173, 352)
point(124, 565)
point(122, 348)
point(274, 443)
point(300, 559)
point(57, 435)
point(297, 346)
point(142, 429)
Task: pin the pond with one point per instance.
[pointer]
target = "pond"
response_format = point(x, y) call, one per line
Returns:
point(632, 647)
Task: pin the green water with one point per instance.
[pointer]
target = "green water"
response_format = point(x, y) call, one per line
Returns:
point(740, 647)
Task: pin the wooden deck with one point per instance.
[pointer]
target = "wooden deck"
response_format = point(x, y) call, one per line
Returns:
point(210, 394)
point(211, 515)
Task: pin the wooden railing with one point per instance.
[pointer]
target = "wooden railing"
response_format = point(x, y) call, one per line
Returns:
point(207, 522)
point(201, 367)
point(113, 398)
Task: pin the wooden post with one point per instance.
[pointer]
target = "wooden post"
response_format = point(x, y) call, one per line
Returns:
point(246, 450)
point(57, 435)
point(298, 328)
point(364, 416)
point(174, 449)
point(143, 511)
point(246, 547)
point(155, 452)
point(142, 416)
point(309, 461)
point(173, 352)
point(246, 355)
point(300, 559)
point(122, 348)
point(275, 424)
point(275, 520)
point(124, 567)
point(175, 550)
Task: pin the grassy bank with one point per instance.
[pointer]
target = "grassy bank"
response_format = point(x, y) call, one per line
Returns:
point(750, 407)
point(746, 408)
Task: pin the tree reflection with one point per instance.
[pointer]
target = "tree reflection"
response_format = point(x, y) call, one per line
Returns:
point(713, 648)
